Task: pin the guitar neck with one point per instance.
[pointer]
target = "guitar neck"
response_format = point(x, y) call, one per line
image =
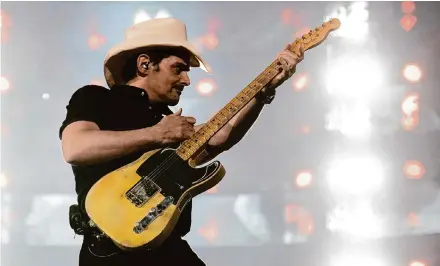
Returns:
point(192, 145)
point(309, 40)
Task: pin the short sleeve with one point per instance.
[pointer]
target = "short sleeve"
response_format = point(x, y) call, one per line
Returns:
point(86, 104)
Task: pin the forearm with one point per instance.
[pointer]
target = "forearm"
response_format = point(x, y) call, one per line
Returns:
point(97, 146)
point(240, 124)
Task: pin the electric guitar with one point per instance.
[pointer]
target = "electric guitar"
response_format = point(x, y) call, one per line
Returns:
point(139, 204)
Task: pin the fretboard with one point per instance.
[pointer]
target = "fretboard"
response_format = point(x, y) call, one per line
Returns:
point(192, 145)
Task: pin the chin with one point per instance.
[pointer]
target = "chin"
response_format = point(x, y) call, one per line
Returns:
point(173, 101)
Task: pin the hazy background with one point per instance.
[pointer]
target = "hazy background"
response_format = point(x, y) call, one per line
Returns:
point(341, 169)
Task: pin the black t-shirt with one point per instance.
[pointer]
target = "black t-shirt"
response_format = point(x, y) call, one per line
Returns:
point(121, 108)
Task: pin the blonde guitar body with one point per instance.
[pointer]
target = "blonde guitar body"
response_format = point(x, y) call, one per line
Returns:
point(139, 204)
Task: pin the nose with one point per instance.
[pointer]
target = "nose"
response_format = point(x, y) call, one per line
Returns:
point(185, 79)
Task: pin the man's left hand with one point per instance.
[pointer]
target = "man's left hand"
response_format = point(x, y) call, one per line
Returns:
point(288, 61)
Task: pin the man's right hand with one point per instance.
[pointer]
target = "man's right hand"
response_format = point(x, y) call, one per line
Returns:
point(176, 128)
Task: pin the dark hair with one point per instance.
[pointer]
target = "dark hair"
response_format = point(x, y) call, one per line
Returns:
point(156, 54)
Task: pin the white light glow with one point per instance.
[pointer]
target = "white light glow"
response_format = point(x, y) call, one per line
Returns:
point(141, 16)
point(358, 220)
point(354, 21)
point(412, 73)
point(45, 96)
point(353, 122)
point(355, 77)
point(354, 174)
point(355, 259)
point(4, 84)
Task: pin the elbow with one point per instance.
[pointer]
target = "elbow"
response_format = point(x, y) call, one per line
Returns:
point(72, 154)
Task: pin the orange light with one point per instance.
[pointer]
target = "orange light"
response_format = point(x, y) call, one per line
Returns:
point(206, 87)
point(286, 15)
point(301, 32)
point(413, 220)
point(300, 82)
point(213, 190)
point(408, 7)
point(214, 25)
point(209, 231)
point(95, 41)
point(209, 41)
point(414, 169)
point(295, 214)
point(305, 129)
point(412, 73)
point(408, 22)
point(410, 104)
point(303, 179)
point(410, 122)
point(417, 263)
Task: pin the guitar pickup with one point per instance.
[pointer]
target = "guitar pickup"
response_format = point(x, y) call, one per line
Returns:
point(152, 215)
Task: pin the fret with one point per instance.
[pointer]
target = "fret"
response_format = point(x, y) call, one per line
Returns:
point(236, 102)
point(192, 145)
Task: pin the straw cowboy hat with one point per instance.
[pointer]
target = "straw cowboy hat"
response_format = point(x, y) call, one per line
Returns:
point(156, 32)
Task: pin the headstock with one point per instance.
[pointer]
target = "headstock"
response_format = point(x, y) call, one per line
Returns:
point(316, 36)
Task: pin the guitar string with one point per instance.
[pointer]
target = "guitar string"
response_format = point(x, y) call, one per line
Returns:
point(156, 173)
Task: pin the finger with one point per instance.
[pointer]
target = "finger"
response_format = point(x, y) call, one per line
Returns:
point(190, 120)
point(178, 113)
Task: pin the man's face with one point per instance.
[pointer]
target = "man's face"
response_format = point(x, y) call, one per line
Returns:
point(168, 81)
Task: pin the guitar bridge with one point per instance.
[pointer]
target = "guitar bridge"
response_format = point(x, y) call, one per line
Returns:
point(143, 191)
point(152, 215)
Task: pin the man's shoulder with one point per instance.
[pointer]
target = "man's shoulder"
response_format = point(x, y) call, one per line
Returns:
point(91, 89)
point(90, 93)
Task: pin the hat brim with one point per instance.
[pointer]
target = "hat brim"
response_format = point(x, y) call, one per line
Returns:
point(118, 54)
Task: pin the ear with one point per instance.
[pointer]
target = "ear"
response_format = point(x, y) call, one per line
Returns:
point(143, 63)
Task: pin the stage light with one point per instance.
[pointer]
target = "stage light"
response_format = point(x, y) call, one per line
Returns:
point(418, 263)
point(413, 220)
point(408, 7)
point(413, 169)
point(209, 231)
point(3, 180)
point(412, 73)
point(354, 21)
point(141, 16)
point(301, 217)
point(4, 84)
point(209, 41)
point(300, 82)
point(357, 219)
point(213, 190)
point(206, 87)
point(354, 174)
point(355, 77)
point(95, 41)
point(45, 96)
point(410, 104)
point(353, 122)
point(303, 179)
point(408, 22)
point(410, 122)
point(351, 259)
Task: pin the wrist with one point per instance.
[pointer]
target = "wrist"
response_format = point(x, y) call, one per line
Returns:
point(154, 135)
point(265, 98)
